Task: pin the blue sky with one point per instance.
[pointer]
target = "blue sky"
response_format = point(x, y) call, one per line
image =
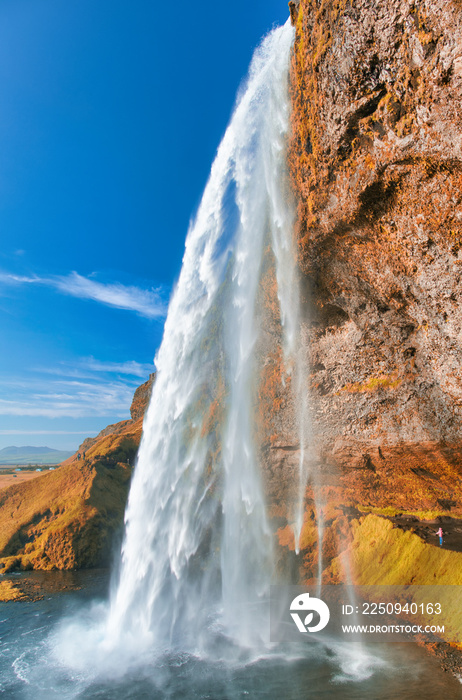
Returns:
point(110, 115)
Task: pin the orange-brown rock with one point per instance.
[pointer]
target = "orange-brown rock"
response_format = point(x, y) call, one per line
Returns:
point(141, 398)
point(375, 157)
point(293, 9)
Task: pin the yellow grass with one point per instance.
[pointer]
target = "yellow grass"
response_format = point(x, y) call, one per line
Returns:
point(381, 555)
point(67, 518)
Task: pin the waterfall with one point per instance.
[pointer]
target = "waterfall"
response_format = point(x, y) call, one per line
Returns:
point(198, 548)
point(187, 614)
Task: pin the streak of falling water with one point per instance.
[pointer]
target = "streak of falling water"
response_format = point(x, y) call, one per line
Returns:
point(197, 550)
point(282, 220)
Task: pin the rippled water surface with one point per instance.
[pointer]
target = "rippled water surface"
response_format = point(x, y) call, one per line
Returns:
point(29, 667)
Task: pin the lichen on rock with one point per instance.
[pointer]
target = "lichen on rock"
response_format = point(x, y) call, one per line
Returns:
point(375, 159)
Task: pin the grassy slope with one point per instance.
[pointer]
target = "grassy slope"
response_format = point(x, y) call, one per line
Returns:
point(68, 518)
point(381, 555)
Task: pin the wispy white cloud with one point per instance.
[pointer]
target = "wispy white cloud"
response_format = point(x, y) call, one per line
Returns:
point(146, 302)
point(8, 278)
point(82, 400)
point(131, 368)
point(90, 368)
point(87, 387)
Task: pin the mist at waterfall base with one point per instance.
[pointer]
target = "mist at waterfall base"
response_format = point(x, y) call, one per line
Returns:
point(187, 614)
point(32, 641)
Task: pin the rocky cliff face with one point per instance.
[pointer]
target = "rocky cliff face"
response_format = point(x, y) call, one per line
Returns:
point(141, 398)
point(375, 157)
point(375, 160)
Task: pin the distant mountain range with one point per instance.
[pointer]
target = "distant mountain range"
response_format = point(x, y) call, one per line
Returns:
point(32, 455)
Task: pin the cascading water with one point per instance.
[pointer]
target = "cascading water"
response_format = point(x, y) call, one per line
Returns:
point(196, 563)
point(196, 528)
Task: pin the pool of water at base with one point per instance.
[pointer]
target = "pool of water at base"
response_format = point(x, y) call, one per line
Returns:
point(386, 671)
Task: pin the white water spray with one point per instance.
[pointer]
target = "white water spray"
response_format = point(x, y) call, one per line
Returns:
point(198, 548)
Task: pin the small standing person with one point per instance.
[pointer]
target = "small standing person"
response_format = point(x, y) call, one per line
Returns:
point(439, 532)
